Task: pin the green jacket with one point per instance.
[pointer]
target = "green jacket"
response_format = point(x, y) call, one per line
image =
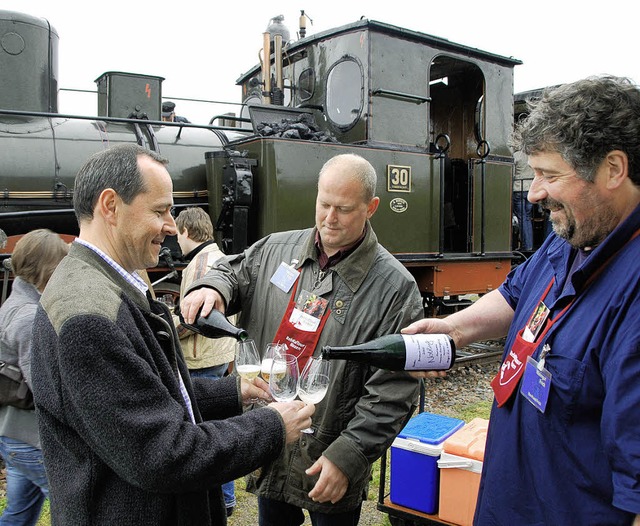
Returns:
point(370, 294)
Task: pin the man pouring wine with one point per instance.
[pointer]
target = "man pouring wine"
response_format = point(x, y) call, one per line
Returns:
point(333, 284)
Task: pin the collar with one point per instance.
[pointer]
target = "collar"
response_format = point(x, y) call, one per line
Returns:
point(354, 268)
point(132, 279)
point(327, 262)
point(198, 249)
point(24, 287)
point(560, 253)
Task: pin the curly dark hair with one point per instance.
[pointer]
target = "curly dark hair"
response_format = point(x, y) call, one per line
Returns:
point(583, 122)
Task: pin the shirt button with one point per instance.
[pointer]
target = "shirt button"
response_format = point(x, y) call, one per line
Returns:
point(339, 304)
point(338, 311)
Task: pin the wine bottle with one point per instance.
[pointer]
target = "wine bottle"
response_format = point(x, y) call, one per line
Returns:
point(215, 325)
point(400, 352)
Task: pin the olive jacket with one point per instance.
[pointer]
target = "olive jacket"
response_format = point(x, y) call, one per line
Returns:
point(119, 443)
point(370, 294)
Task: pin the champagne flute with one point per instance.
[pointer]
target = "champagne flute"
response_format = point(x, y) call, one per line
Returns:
point(314, 383)
point(283, 377)
point(248, 361)
point(273, 349)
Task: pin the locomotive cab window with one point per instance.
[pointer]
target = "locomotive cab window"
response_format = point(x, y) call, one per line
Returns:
point(345, 88)
point(306, 84)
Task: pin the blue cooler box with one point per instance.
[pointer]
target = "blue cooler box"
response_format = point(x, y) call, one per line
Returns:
point(414, 461)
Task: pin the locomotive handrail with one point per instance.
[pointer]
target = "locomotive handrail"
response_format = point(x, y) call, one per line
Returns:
point(230, 118)
point(447, 143)
point(63, 211)
point(483, 151)
point(442, 155)
point(418, 99)
point(21, 113)
point(29, 213)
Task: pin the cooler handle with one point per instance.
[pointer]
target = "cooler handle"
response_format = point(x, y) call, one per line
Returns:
point(444, 464)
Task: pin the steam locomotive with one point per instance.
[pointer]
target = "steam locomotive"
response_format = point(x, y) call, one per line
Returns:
point(432, 116)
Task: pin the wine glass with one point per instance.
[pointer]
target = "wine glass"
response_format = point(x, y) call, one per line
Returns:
point(168, 300)
point(248, 361)
point(314, 382)
point(273, 349)
point(283, 377)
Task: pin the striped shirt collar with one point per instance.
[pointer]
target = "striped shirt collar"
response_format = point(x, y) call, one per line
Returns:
point(132, 279)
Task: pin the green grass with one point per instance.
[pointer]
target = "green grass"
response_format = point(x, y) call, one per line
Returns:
point(45, 516)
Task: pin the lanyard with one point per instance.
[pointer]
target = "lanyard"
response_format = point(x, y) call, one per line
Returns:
point(511, 370)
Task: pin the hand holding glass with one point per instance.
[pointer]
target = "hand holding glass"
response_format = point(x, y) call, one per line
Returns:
point(283, 377)
point(247, 361)
point(314, 382)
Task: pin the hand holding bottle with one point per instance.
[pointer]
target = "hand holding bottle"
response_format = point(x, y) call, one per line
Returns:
point(214, 325)
point(429, 326)
point(205, 298)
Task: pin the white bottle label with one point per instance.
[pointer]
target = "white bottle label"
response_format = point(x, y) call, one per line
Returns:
point(426, 352)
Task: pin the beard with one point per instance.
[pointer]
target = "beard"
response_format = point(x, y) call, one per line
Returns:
point(590, 232)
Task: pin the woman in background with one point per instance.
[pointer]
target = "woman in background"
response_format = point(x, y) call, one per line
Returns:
point(34, 259)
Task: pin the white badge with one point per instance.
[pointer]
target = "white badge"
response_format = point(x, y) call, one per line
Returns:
point(284, 277)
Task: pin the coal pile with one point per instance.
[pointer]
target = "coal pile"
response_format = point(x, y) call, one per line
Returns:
point(302, 127)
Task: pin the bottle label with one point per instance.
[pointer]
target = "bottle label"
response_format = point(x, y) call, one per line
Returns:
point(427, 352)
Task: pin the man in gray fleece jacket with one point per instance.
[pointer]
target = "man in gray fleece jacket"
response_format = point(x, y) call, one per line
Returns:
point(127, 437)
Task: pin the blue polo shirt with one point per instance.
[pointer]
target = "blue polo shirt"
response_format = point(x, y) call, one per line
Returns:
point(579, 461)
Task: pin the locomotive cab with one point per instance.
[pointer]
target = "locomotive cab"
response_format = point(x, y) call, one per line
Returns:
point(433, 117)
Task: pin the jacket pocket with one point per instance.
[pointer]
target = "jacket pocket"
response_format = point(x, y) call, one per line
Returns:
point(306, 451)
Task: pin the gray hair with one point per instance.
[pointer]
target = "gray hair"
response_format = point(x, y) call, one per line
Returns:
point(583, 122)
point(115, 168)
point(357, 167)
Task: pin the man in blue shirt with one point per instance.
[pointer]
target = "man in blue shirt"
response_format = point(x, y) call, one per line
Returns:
point(564, 436)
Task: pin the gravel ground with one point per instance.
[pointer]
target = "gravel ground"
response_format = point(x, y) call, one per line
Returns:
point(462, 387)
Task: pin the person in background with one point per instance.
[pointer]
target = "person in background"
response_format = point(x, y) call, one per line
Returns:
point(563, 445)
point(127, 436)
point(364, 293)
point(205, 357)
point(522, 207)
point(34, 259)
point(169, 113)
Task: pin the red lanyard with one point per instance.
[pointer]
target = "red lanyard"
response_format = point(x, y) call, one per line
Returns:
point(511, 370)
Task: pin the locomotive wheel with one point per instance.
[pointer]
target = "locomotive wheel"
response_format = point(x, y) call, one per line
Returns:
point(167, 288)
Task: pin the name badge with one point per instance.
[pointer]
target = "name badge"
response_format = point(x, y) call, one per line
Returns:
point(308, 312)
point(284, 277)
point(535, 323)
point(536, 384)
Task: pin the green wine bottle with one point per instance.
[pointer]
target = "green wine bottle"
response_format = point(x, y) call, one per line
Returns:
point(215, 325)
point(400, 352)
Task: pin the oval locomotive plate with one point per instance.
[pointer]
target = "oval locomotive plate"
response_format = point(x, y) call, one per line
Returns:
point(398, 205)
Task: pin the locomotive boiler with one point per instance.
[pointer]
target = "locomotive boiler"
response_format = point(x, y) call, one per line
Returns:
point(42, 150)
point(432, 116)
